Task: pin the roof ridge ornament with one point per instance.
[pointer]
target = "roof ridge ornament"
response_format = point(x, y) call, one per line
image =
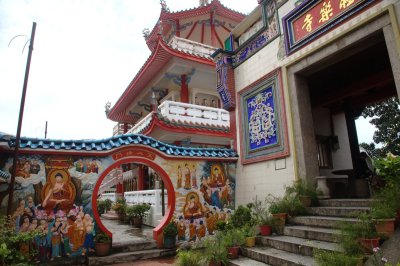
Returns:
point(164, 6)
point(204, 2)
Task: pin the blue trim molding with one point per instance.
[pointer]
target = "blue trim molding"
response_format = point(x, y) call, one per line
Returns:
point(263, 120)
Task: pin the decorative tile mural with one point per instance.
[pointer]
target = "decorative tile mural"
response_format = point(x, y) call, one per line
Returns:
point(263, 120)
point(53, 195)
point(205, 194)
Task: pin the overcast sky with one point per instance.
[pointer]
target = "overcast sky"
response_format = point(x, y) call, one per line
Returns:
point(86, 53)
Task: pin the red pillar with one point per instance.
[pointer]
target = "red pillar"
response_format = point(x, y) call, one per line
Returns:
point(184, 89)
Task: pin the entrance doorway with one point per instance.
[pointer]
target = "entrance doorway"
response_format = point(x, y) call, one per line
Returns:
point(130, 174)
point(328, 95)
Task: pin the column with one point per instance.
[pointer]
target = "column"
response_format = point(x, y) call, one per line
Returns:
point(184, 89)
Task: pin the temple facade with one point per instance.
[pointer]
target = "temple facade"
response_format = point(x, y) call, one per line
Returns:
point(303, 71)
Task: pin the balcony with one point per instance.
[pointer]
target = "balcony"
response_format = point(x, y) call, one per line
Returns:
point(185, 113)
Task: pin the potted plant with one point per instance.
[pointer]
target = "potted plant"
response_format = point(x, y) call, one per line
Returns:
point(278, 209)
point(215, 250)
point(250, 234)
point(266, 222)
point(233, 239)
point(102, 244)
point(384, 215)
point(120, 208)
point(369, 238)
point(306, 194)
point(103, 206)
point(139, 211)
point(241, 216)
point(170, 231)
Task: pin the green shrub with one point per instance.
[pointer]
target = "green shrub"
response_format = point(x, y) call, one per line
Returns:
point(241, 216)
point(329, 258)
point(189, 258)
point(170, 229)
point(11, 241)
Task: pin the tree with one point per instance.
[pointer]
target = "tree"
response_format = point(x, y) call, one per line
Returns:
point(386, 118)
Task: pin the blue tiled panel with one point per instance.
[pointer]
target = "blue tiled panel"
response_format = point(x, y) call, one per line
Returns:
point(118, 141)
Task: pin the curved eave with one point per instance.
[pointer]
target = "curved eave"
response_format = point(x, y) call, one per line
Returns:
point(215, 6)
point(109, 146)
point(159, 122)
point(156, 61)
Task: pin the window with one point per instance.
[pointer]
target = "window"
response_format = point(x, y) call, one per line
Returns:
point(324, 152)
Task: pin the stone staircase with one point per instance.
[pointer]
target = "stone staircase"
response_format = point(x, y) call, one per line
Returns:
point(303, 235)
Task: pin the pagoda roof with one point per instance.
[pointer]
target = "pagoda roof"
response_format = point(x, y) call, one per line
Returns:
point(215, 6)
point(106, 145)
point(162, 54)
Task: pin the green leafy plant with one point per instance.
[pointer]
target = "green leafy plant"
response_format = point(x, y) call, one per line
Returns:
point(302, 188)
point(276, 204)
point(242, 216)
point(120, 206)
point(170, 229)
point(289, 204)
point(11, 241)
point(249, 231)
point(189, 258)
point(234, 238)
point(215, 250)
point(139, 210)
point(102, 237)
point(329, 258)
point(382, 210)
point(103, 205)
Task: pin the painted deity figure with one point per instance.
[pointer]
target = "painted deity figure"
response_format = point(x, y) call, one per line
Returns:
point(35, 167)
point(181, 229)
point(205, 189)
point(79, 234)
point(58, 194)
point(192, 231)
point(25, 224)
point(193, 208)
point(201, 231)
point(65, 237)
point(211, 221)
point(194, 177)
point(30, 209)
point(179, 181)
point(56, 239)
point(186, 175)
point(17, 215)
point(89, 237)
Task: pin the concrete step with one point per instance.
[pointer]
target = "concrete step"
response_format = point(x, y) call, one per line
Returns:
point(314, 233)
point(244, 261)
point(276, 257)
point(131, 256)
point(134, 245)
point(345, 203)
point(320, 221)
point(296, 245)
point(337, 211)
point(110, 215)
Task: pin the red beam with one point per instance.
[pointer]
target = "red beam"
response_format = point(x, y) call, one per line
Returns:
point(191, 30)
point(202, 33)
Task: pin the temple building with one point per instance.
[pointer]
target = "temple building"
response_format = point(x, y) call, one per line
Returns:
point(173, 97)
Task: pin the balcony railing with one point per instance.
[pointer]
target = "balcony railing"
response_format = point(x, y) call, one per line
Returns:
point(187, 114)
point(192, 113)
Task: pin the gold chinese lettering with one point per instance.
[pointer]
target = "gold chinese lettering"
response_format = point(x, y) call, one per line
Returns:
point(308, 23)
point(345, 3)
point(326, 12)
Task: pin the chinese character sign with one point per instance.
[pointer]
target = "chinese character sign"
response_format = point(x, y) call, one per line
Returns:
point(315, 17)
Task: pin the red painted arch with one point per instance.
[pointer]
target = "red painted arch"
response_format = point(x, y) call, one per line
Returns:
point(167, 183)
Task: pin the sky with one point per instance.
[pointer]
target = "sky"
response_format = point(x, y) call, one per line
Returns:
point(86, 52)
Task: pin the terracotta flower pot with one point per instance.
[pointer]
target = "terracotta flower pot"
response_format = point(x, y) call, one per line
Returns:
point(102, 249)
point(233, 252)
point(281, 218)
point(385, 227)
point(398, 218)
point(250, 241)
point(137, 221)
point(368, 244)
point(305, 200)
point(215, 263)
point(265, 230)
